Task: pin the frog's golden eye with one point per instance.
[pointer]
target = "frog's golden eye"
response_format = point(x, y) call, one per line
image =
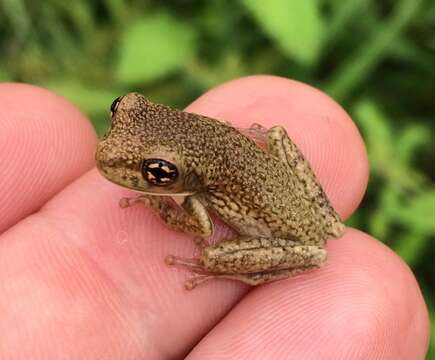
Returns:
point(114, 105)
point(159, 172)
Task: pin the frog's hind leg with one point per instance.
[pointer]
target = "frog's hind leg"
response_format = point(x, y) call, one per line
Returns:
point(282, 147)
point(256, 132)
point(251, 260)
point(250, 279)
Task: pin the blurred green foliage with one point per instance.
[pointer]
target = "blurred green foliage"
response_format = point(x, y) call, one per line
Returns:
point(376, 58)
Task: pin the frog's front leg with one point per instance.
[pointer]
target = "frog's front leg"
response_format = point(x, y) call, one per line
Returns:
point(190, 216)
point(252, 260)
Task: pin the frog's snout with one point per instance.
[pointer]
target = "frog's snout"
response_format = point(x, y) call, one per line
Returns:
point(105, 158)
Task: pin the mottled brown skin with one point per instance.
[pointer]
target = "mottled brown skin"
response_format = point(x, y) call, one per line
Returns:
point(269, 196)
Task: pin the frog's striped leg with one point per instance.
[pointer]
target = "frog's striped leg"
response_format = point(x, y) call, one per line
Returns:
point(282, 147)
point(252, 260)
point(250, 279)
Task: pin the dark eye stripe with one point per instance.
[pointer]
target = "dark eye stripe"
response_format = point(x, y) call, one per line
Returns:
point(159, 172)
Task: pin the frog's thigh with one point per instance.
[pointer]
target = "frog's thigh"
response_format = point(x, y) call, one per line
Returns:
point(247, 255)
point(280, 145)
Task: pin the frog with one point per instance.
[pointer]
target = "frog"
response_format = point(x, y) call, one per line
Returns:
point(189, 168)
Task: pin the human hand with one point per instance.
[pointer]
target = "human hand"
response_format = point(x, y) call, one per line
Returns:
point(82, 279)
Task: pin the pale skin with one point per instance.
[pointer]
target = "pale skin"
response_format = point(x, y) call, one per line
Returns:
point(82, 279)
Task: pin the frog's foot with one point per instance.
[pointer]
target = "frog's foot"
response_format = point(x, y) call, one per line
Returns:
point(251, 260)
point(131, 201)
point(193, 282)
point(256, 132)
point(250, 279)
point(259, 128)
point(191, 264)
point(194, 266)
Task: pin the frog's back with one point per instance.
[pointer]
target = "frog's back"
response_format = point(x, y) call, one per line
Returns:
point(260, 194)
point(252, 190)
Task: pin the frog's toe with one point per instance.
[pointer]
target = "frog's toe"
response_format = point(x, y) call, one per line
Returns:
point(258, 127)
point(192, 283)
point(191, 264)
point(126, 202)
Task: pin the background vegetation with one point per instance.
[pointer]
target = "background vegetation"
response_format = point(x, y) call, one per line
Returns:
point(376, 58)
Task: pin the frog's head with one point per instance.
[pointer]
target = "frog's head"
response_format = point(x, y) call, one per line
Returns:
point(139, 149)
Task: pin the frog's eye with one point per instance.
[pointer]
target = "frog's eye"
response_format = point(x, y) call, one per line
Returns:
point(114, 105)
point(159, 172)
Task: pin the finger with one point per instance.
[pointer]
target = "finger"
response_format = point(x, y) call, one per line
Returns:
point(365, 304)
point(322, 130)
point(45, 143)
point(113, 259)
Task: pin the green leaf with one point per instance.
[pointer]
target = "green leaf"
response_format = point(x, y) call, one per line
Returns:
point(17, 13)
point(367, 56)
point(343, 13)
point(117, 9)
point(412, 137)
point(411, 246)
point(355, 220)
point(405, 49)
point(419, 213)
point(93, 101)
point(377, 134)
point(80, 14)
point(296, 26)
point(152, 48)
point(89, 99)
point(381, 217)
point(4, 76)
point(390, 155)
point(228, 67)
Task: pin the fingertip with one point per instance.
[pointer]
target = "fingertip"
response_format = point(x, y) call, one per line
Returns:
point(317, 124)
point(47, 143)
point(395, 314)
point(364, 304)
point(30, 103)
